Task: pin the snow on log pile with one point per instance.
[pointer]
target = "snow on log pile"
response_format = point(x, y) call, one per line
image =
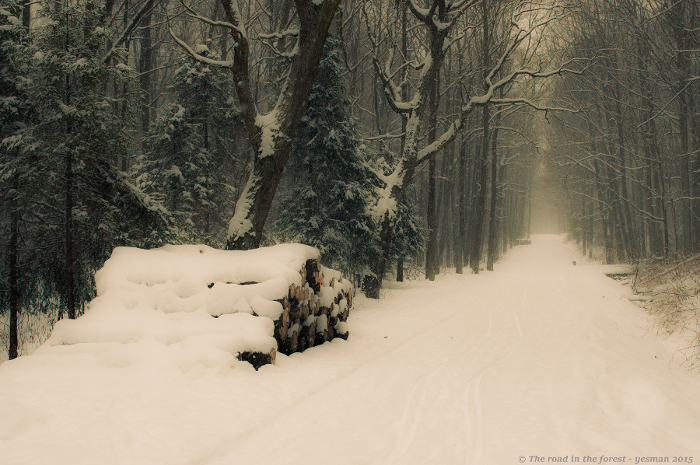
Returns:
point(207, 305)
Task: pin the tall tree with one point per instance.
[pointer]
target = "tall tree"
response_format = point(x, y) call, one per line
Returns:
point(271, 135)
point(186, 149)
point(331, 185)
point(15, 116)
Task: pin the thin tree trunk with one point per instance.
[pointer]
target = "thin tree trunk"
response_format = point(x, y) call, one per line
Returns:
point(404, 97)
point(443, 208)
point(493, 228)
point(462, 209)
point(14, 272)
point(70, 291)
point(125, 87)
point(481, 202)
point(13, 351)
point(431, 262)
point(629, 233)
point(145, 68)
point(480, 218)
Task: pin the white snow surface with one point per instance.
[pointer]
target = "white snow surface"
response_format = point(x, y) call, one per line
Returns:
point(539, 358)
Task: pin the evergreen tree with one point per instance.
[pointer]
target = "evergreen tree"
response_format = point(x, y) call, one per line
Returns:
point(15, 182)
point(326, 206)
point(409, 237)
point(68, 155)
point(187, 148)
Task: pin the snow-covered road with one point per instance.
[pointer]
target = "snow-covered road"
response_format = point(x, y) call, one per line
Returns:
point(539, 358)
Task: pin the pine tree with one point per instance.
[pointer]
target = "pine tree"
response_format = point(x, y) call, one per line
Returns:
point(187, 148)
point(16, 185)
point(68, 155)
point(409, 236)
point(327, 204)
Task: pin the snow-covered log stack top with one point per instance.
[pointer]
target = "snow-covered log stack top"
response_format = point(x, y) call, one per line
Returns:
point(207, 305)
point(187, 278)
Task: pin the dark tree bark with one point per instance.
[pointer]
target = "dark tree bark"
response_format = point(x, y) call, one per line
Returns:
point(13, 256)
point(431, 260)
point(493, 227)
point(480, 216)
point(271, 136)
point(14, 272)
point(628, 232)
point(145, 69)
point(678, 17)
point(68, 211)
point(461, 232)
point(483, 165)
point(404, 96)
point(70, 284)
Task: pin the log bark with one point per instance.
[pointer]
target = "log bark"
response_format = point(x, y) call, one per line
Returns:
point(258, 359)
point(297, 327)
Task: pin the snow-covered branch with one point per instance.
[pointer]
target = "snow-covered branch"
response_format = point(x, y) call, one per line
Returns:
point(488, 97)
point(224, 24)
point(392, 92)
point(421, 14)
point(196, 56)
point(281, 35)
point(147, 6)
point(531, 104)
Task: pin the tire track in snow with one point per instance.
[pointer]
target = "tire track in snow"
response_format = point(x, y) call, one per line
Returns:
point(475, 433)
point(472, 404)
point(404, 438)
point(403, 441)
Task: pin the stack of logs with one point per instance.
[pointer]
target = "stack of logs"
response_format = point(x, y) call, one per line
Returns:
point(311, 315)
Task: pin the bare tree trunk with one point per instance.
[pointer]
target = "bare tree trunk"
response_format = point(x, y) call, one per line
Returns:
point(678, 15)
point(493, 228)
point(271, 136)
point(125, 86)
point(70, 285)
point(145, 69)
point(480, 217)
point(404, 96)
point(14, 272)
point(629, 234)
point(459, 258)
point(485, 121)
point(431, 261)
point(13, 257)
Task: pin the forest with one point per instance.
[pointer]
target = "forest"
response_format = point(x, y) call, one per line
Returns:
point(401, 138)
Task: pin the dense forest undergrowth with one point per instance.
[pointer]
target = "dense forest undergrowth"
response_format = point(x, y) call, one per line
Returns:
point(401, 138)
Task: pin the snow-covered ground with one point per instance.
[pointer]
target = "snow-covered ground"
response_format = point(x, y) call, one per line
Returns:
point(540, 358)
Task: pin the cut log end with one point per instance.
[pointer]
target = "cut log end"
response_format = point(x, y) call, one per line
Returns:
point(258, 359)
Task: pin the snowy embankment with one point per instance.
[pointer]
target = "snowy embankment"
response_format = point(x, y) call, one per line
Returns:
point(538, 358)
